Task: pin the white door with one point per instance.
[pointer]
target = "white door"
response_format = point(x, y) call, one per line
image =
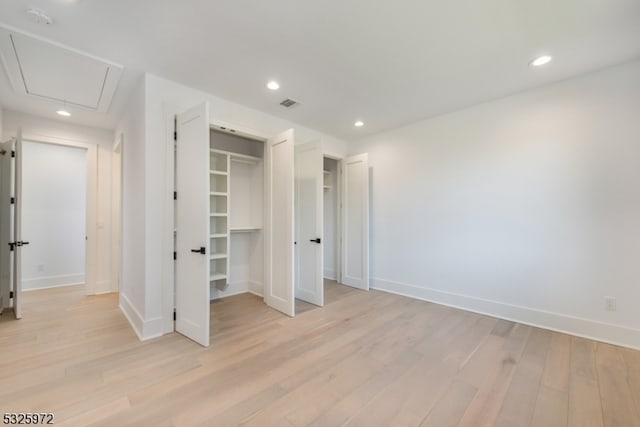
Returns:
point(279, 233)
point(192, 224)
point(17, 230)
point(7, 181)
point(355, 221)
point(309, 223)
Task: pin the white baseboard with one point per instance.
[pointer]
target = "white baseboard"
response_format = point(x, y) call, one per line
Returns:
point(586, 328)
point(145, 330)
point(256, 288)
point(52, 281)
point(103, 287)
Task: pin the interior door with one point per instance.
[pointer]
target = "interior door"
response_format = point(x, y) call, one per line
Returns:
point(192, 224)
point(279, 232)
point(309, 223)
point(7, 180)
point(17, 229)
point(355, 221)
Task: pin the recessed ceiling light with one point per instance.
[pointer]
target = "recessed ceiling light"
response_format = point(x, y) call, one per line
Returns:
point(359, 124)
point(273, 85)
point(64, 113)
point(540, 60)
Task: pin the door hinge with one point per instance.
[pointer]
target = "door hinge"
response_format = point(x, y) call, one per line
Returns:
point(12, 200)
point(11, 294)
point(13, 153)
point(174, 315)
point(175, 135)
point(175, 255)
point(175, 195)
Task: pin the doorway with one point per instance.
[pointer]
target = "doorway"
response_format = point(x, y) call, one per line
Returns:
point(60, 202)
point(54, 212)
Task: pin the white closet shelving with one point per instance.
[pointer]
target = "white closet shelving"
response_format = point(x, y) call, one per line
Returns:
point(237, 187)
point(219, 217)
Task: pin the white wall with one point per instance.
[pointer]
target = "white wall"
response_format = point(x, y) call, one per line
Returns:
point(54, 202)
point(43, 129)
point(147, 281)
point(132, 287)
point(525, 208)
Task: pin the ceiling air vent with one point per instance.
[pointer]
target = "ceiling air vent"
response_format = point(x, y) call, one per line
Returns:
point(288, 103)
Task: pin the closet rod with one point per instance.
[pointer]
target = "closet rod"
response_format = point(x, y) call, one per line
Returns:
point(245, 161)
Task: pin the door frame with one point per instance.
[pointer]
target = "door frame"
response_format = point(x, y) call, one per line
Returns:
point(338, 231)
point(116, 213)
point(91, 221)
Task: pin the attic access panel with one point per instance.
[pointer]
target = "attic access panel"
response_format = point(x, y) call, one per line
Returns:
point(40, 68)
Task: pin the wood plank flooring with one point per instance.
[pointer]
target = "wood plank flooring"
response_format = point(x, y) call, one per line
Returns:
point(365, 359)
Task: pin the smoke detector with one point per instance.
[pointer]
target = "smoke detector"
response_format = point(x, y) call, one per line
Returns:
point(39, 16)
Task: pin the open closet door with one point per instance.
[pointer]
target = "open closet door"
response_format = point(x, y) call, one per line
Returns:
point(6, 226)
point(192, 224)
point(278, 287)
point(309, 223)
point(10, 260)
point(355, 221)
point(17, 229)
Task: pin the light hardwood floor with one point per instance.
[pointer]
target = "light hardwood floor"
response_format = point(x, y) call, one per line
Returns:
point(365, 359)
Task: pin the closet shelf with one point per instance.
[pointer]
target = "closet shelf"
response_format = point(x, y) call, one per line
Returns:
point(326, 187)
point(218, 256)
point(246, 229)
point(218, 214)
point(215, 277)
point(218, 193)
point(237, 156)
point(217, 236)
point(216, 172)
point(326, 172)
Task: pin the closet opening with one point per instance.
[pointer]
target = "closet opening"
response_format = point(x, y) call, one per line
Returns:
point(333, 289)
point(236, 214)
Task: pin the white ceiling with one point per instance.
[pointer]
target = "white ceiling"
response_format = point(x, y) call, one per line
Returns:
point(385, 62)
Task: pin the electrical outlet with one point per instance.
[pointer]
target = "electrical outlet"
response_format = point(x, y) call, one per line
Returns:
point(610, 303)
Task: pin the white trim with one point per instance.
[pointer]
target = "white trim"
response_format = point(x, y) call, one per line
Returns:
point(586, 328)
point(45, 282)
point(256, 288)
point(132, 315)
point(145, 330)
point(329, 273)
point(104, 287)
point(116, 216)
